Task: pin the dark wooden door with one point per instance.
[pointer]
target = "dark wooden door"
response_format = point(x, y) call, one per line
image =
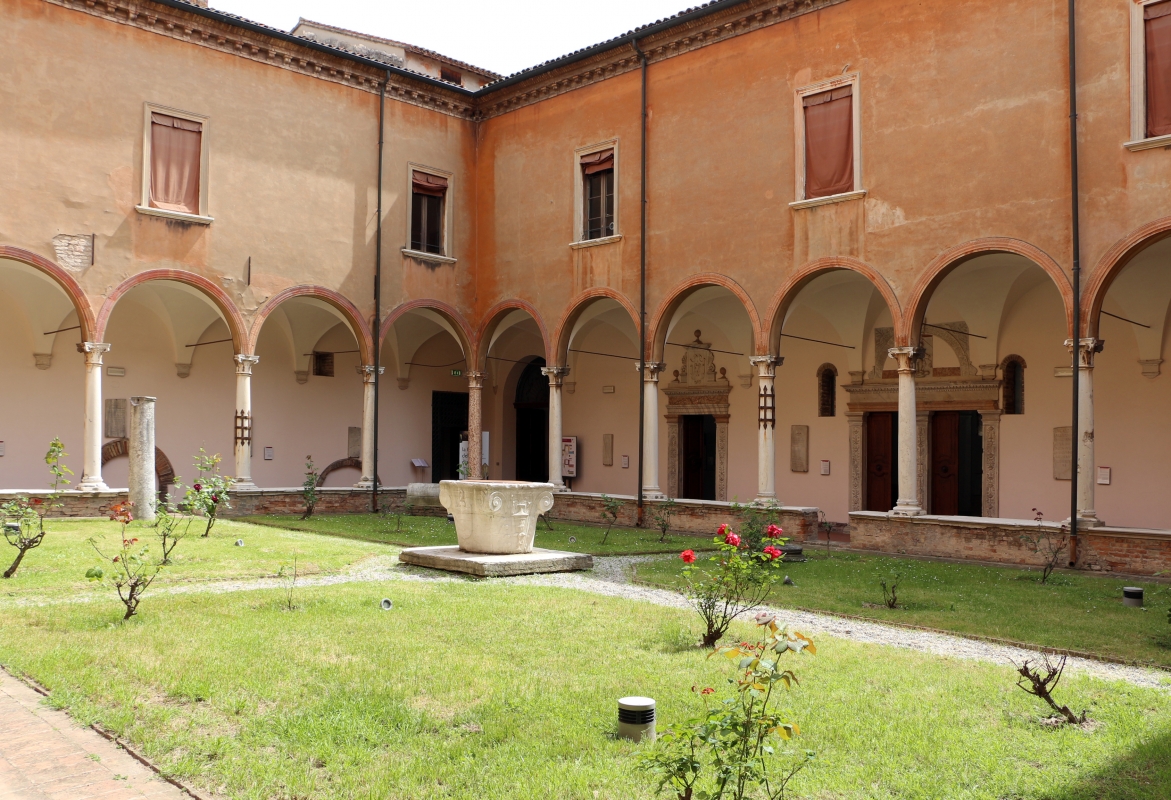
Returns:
point(532, 423)
point(449, 420)
point(971, 477)
point(882, 484)
point(697, 457)
point(945, 462)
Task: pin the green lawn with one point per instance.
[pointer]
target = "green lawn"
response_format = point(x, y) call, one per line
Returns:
point(425, 531)
point(1073, 611)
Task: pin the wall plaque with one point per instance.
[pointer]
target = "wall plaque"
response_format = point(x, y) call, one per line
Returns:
point(799, 448)
point(114, 419)
point(354, 443)
point(1063, 453)
point(607, 449)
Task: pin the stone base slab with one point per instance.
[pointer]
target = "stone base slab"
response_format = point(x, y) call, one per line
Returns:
point(452, 559)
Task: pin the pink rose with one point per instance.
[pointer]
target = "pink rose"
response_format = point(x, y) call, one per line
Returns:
point(732, 539)
point(773, 531)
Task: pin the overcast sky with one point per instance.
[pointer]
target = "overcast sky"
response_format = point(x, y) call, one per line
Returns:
point(501, 35)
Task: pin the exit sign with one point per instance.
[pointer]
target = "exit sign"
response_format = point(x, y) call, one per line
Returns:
point(455, 373)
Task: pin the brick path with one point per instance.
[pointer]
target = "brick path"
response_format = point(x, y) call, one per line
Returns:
point(45, 755)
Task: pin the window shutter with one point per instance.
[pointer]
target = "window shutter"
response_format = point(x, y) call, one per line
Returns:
point(829, 143)
point(174, 163)
point(426, 183)
point(1158, 62)
point(597, 162)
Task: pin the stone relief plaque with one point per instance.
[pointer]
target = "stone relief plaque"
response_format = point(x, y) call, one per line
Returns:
point(799, 448)
point(1063, 453)
point(114, 419)
point(354, 443)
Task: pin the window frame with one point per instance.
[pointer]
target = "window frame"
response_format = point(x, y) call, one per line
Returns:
point(144, 206)
point(448, 240)
point(579, 204)
point(1012, 361)
point(851, 79)
point(1138, 82)
point(822, 371)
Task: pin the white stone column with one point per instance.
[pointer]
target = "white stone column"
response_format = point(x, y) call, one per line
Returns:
point(91, 457)
point(909, 503)
point(367, 373)
point(556, 376)
point(650, 438)
point(142, 492)
point(243, 424)
point(1085, 475)
point(766, 423)
point(475, 424)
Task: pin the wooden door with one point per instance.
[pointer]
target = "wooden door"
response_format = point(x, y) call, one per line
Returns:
point(692, 456)
point(945, 463)
point(881, 464)
point(449, 419)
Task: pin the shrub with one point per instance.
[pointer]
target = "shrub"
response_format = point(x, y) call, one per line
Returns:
point(27, 517)
point(171, 528)
point(609, 513)
point(309, 487)
point(661, 516)
point(731, 749)
point(1051, 545)
point(1033, 682)
point(209, 493)
point(890, 597)
point(755, 521)
point(736, 583)
point(133, 570)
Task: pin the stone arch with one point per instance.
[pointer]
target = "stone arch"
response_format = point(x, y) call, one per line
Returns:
point(77, 296)
point(908, 333)
point(357, 324)
point(792, 287)
point(448, 312)
point(1112, 263)
point(342, 463)
point(121, 447)
point(579, 304)
point(495, 314)
point(231, 315)
point(657, 332)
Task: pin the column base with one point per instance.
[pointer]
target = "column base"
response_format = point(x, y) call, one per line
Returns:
point(1086, 522)
point(560, 487)
point(766, 500)
point(244, 483)
point(903, 510)
point(364, 485)
point(653, 494)
point(90, 485)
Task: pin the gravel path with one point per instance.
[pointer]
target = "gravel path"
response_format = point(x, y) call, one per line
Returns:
point(610, 577)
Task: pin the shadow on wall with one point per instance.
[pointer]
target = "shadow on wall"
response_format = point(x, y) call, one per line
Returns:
point(1144, 772)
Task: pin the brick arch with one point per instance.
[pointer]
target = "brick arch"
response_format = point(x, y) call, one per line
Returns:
point(357, 324)
point(948, 260)
point(793, 285)
point(657, 333)
point(1112, 263)
point(448, 312)
point(231, 314)
point(342, 463)
point(121, 447)
point(77, 296)
point(492, 319)
point(576, 307)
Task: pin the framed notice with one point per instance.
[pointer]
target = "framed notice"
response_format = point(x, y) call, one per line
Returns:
point(568, 456)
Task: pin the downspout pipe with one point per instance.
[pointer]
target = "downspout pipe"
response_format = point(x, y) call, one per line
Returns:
point(641, 290)
point(1077, 289)
point(378, 288)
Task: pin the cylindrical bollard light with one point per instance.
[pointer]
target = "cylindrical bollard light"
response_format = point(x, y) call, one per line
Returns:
point(636, 718)
point(142, 458)
point(1132, 596)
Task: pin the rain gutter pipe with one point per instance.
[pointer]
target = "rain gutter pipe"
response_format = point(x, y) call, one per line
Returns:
point(1077, 289)
point(641, 289)
point(377, 328)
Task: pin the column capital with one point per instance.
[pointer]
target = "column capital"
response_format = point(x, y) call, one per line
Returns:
point(244, 363)
point(653, 368)
point(766, 366)
point(93, 351)
point(555, 374)
point(1086, 349)
point(367, 372)
point(905, 356)
point(475, 379)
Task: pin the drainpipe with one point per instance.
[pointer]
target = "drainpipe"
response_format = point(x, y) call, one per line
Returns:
point(378, 291)
point(642, 287)
point(1077, 289)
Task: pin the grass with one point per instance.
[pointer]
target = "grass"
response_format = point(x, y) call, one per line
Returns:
point(1072, 611)
point(431, 531)
point(489, 690)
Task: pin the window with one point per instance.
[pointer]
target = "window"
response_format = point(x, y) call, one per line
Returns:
point(828, 142)
point(322, 364)
point(1150, 71)
point(451, 76)
point(827, 390)
point(597, 171)
point(174, 172)
point(1014, 385)
point(428, 215)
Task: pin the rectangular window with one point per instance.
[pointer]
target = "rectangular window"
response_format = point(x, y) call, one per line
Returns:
point(1157, 47)
point(598, 182)
point(829, 142)
point(175, 150)
point(451, 76)
point(322, 364)
point(428, 195)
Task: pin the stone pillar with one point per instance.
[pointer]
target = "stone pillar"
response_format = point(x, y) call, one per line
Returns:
point(91, 457)
point(367, 373)
point(855, 421)
point(650, 438)
point(922, 440)
point(556, 376)
point(475, 425)
point(142, 458)
point(990, 502)
point(908, 503)
point(1085, 475)
point(243, 426)
point(766, 423)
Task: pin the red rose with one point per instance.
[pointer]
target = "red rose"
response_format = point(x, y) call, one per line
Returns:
point(197, 487)
point(772, 552)
point(773, 531)
point(37, 501)
point(708, 690)
point(688, 556)
point(720, 531)
point(732, 539)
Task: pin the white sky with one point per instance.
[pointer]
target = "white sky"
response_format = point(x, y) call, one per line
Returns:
point(501, 35)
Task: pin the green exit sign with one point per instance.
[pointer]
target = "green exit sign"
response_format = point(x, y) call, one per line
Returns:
point(455, 373)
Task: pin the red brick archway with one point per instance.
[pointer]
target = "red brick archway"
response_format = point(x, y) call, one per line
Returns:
point(353, 317)
point(576, 307)
point(1112, 263)
point(657, 332)
point(121, 447)
point(492, 319)
point(85, 314)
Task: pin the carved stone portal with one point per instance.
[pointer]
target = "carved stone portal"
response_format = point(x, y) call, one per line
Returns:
point(697, 388)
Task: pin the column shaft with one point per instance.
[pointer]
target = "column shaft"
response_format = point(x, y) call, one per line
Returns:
point(243, 424)
point(909, 503)
point(650, 439)
point(766, 422)
point(475, 424)
point(1085, 474)
point(142, 490)
point(367, 373)
point(91, 463)
point(556, 376)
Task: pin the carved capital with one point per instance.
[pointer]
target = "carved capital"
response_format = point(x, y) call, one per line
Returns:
point(93, 352)
point(367, 372)
point(475, 380)
point(245, 363)
point(1086, 349)
point(555, 374)
point(906, 357)
point(766, 366)
point(653, 368)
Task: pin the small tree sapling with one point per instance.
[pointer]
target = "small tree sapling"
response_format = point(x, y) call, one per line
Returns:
point(661, 516)
point(132, 571)
point(1049, 543)
point(1040, 682)
point(309, 487)
point(209, 493)
point(609, 513)
point(24, 519)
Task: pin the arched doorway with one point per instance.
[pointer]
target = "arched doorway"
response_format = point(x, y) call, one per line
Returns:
point(531, 402)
